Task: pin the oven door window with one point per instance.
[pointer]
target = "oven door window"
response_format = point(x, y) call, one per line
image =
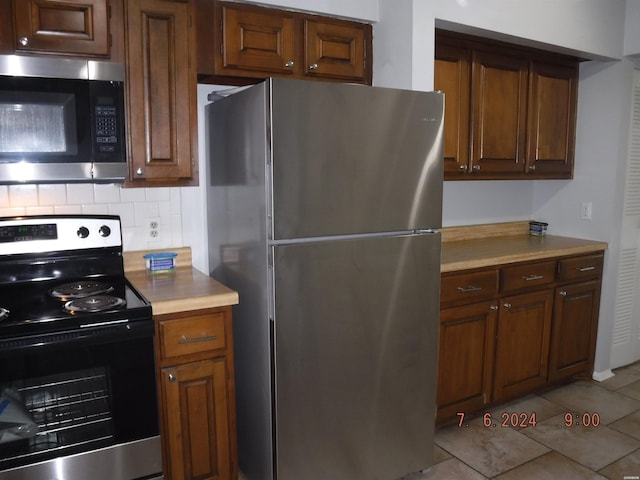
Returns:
point(79, 399)
point(44, 120)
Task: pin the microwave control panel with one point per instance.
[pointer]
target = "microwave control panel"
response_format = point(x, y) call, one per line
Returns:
point(108, 120)
point(106, 128)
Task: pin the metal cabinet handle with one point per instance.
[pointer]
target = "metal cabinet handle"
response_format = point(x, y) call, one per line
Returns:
point(532, 168)
point(24, 41)
point(476, 168)
point(289, 64)
point(529, 278)
point(507, 305)
point(464, 168)
point(470, 288)
point(563, 293)
point(493, 307)
point(139, 171)
point(313, 66)
point(172, 378)
point(205, 338)
point(585, 269)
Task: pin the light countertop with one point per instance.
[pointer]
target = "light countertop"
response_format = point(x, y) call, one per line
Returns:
point(497, 246)
point(183, 290)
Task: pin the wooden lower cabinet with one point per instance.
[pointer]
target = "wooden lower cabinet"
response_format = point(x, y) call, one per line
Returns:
point(196, 402)
point(194, 354)
point(506, 331)
point(522, 349)
point(575, 327)
point(465, 358)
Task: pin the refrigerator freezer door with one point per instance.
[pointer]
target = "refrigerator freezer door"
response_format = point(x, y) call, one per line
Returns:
point(355, 355)
point(354, 159)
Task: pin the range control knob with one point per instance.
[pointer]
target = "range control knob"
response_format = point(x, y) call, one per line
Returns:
point(104, 231)
point(83, 232)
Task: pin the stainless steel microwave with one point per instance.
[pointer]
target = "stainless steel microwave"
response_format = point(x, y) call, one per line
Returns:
point(61, 120)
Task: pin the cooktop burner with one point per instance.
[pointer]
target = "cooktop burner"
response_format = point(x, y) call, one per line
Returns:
point(80, 289)
point(94, 303)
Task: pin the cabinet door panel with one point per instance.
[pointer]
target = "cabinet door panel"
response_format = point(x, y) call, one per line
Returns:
point(453, 77)
point(197, 419)
point(575, 325)
point(552, 117)
point(334, 50)
point(70, 26)
point(524, 324)
point(465, 362)
point(500, 107)
point(161, 85)
point(257, 40)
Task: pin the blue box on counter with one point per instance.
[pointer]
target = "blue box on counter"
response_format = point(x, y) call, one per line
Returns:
point(538, 229)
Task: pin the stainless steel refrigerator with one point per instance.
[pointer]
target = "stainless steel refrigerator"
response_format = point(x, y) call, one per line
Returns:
point(324, 209)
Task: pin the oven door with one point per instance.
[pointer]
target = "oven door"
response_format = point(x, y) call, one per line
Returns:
point(92, 396)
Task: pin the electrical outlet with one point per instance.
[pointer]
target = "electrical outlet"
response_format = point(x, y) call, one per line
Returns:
point(587, 211)
point(154, 229)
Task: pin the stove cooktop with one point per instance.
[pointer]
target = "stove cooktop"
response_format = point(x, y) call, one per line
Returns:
point(37, 307)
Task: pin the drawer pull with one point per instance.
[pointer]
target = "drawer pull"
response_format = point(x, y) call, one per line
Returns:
point(206, 338)
point(529, 278)
point(507, 305)
point(563, 293)
point(585, 269)
point(470, 288)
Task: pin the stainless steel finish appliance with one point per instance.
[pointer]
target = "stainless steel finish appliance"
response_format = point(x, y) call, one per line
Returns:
point(77, 375)
point(61, 120)
point(324, 209)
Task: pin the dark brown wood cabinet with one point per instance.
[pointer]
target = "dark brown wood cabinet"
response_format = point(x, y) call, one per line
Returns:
point(251, 42)
point(522, 346)
point(552, 119)
point(575, 317)
point(510, 111)
point(508, 330)
point(161, 93)
point(69, 27)
point(194, 353)
point(466, 358)
point(452, 76)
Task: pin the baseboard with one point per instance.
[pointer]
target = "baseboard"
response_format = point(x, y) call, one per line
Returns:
point(602, 376)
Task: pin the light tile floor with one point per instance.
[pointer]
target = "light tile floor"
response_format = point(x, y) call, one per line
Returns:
point(549, 450)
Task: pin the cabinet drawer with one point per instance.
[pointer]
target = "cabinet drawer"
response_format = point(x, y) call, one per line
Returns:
point(184, 336)
point(526, 276)
point(468, 286)
point(578, 268)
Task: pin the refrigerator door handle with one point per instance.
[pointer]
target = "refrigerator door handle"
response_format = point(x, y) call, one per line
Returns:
point(422, 231)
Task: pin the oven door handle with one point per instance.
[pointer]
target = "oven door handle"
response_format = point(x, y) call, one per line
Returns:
point(88, 335)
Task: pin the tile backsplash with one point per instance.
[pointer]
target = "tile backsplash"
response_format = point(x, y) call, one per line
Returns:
point(141, 210)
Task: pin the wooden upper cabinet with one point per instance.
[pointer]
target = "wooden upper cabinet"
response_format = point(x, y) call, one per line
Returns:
point(453, 77)
point(261, 41)
point(74, 27)
point(161, 93)
point(552, 119)
point(335, 50)
point(510, 112)
point(254, 42)
point(499, 113)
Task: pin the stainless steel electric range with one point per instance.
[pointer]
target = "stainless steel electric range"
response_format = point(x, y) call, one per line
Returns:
point(77, 377)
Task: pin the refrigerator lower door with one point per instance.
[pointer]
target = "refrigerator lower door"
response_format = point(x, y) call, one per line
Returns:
point(355, 357)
